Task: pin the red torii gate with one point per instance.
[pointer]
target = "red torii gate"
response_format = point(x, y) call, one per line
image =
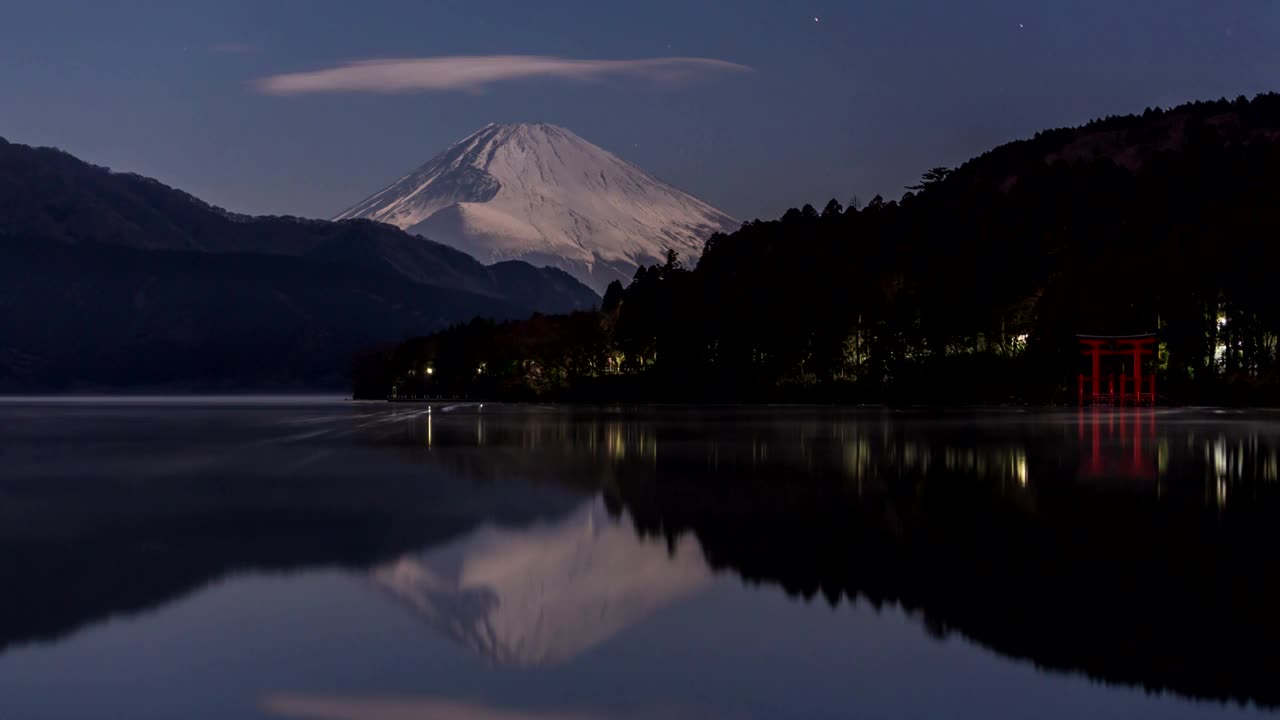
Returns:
point(1135, 346)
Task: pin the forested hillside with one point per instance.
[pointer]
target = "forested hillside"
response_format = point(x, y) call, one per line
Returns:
point(971, 287)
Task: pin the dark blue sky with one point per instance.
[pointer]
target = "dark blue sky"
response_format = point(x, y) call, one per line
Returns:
point(859, 102)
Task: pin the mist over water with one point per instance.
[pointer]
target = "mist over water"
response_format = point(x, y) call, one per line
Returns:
point(296, 557)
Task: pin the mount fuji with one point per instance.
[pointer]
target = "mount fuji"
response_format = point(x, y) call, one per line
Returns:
point(541, 194)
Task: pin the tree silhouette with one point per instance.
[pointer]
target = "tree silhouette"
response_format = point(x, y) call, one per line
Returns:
point(931, 177)
point(613, 297)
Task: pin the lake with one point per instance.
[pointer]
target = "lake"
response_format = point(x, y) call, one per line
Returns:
point(313, 558)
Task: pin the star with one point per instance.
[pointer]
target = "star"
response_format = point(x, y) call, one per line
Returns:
point(816, 20)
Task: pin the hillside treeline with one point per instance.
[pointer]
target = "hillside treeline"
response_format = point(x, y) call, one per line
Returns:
point(971, 287)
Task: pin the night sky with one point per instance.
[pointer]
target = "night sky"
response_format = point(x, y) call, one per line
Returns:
point(840, 98)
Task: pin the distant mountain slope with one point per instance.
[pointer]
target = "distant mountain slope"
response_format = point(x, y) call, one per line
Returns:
point(540, 193)
point(47, 193)
point(106, 316)
point(114, 280)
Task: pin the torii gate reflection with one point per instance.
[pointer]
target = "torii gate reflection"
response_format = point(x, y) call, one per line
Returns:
point(1118, 442)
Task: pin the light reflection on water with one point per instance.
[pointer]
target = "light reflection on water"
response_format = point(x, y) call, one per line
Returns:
point(1131, 447)
point(545, 563)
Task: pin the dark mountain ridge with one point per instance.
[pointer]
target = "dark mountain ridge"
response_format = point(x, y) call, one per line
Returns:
point(1130, 142)
point(48, 193)
point(114, 280)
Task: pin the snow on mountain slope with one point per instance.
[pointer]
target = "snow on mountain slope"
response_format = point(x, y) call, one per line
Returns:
point(542, 194)
point(542, 595)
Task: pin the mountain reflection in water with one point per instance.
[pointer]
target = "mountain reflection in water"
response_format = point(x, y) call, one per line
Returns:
point(1133, 546)
point(543, 595)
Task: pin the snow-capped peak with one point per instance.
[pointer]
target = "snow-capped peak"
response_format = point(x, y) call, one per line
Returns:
point(540, 193)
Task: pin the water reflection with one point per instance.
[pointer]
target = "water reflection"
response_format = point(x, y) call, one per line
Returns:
point(542, 595)
point(307, 707)
point(116, 508)
point(1108, 449)
point(1135, 547)
point(1121, 442)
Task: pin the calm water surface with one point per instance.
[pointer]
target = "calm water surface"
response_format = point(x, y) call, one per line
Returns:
point(307, 558)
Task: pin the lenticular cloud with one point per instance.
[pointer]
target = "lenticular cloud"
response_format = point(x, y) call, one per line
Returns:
point(475, 73)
